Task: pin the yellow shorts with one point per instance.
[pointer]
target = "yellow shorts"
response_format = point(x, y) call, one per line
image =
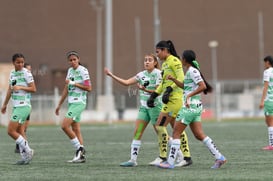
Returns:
point(173, 106)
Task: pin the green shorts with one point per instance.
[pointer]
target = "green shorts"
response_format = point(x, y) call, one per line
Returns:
point(149, 114)
point(20, 114)
point(189, 115)
point(74, 111)
point(268, 108)
point(172, 107)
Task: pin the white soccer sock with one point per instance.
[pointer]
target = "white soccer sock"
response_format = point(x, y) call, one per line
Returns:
point(76, 143)
point(23, 144)
point(135, 149)
point(175, 147)
point(180, 155)
point(212, 147)
point(270, 136)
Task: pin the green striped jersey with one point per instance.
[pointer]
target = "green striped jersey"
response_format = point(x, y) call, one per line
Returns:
point(21, 78)
point(268, 77)
point(78, 75)
point(150, 81)
point(192, 78)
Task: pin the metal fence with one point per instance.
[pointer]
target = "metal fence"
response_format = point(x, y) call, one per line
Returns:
point(232, 99)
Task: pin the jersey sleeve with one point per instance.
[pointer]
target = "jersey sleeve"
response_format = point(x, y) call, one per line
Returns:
point(158, 78)
point(85, 74)
point(28, 76)
point(10, 78)
point(159, 89)
point(196, 76)
point(266, 76)
point(67, 74)
point(176, 66)
point(138, 77)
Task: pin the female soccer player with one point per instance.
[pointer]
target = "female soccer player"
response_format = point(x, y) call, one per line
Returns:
point(267, 99)
point(147, 82)
point(172, 98)
point(21, 84)
point(190, 114)
point(77, 84)
point(25, 125)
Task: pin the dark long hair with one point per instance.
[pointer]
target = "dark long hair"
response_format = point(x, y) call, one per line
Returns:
point(169, 46)
point(190, 57)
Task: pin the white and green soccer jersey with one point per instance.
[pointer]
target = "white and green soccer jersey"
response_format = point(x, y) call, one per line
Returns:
point(79, 75)
point(20, 78)
point(150, 81)
point(268, 77)
point(192, 78)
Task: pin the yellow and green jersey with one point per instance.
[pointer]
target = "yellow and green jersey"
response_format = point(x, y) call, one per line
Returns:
point(171, 66)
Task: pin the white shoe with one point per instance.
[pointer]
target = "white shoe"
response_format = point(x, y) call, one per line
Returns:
point(156, 162)
point(180, 163)
point(79, 156)
point(26, 157)
point(130, 163)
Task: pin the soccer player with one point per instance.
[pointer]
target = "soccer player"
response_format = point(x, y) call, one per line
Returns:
point(77, 84)
point(172, 99)
point(267, 99)
point(147, 81)
point(21, 84)
point(190, 114)
point(25, 125)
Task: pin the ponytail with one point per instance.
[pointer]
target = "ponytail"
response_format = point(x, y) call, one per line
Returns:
point(172, 49)
point(190, 57)
point(169, 46)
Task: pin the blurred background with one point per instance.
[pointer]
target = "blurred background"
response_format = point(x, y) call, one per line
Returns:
point(230, 38)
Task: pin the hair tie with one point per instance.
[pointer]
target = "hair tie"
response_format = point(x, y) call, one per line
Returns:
point(196, 64)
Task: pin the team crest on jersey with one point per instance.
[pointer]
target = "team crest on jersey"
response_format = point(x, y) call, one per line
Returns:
point(165, 66)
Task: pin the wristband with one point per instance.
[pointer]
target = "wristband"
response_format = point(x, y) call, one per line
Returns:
point(71, 82)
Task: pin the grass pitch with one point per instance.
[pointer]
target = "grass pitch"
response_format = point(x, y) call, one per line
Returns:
point(108, 145)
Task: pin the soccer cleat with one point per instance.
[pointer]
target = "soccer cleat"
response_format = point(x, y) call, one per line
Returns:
point(79, 156)
point(157, 161)
point(188, 162)
point(165, 165)
point(26, 158)
point(130, 163)
point(29, 156)
point(181, 163)
point(219, 162)
point(269, 147)
point(21, 162)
